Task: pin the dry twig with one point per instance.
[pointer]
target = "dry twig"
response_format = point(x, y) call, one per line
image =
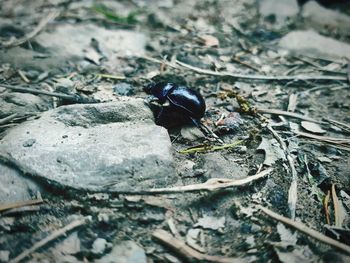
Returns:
point(328, 139)
point(74, 98)
point(303, 228)
point(4, 207)
point(23, 76)
point(340, 125)
point(242, 76)
point(8, 119)
point(210, 185)
point(259, 77)
point(209, 148)
point(13, 43)
point(289, 114)
point(46, 240)
point(186, 252)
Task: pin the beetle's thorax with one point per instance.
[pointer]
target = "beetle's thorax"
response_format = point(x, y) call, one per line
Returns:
point(161, 90)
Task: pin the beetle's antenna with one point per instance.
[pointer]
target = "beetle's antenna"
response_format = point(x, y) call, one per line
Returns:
point(206, 130)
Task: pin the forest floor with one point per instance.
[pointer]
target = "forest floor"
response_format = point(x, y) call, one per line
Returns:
point(275, 79)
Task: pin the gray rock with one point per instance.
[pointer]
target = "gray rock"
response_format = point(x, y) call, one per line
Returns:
point(23, 58)
point(77, 37)
point(14, 187)
point(4, 255)
point(69, 246)
point(281, 9)
point(123, 89)
point(325, 19)
point(217, 166)
point(101, 147)
point(191, 133)
point(126, 252)
point(21, 103)
point(312, 44)
point(99, 246)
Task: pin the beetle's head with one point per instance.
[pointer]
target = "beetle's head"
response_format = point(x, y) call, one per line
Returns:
point(149, 87)
point(159, 90)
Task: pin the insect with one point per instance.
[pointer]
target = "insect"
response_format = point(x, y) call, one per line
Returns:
point(179, 104)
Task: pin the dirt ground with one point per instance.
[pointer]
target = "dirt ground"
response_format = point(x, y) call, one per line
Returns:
point(279, 105)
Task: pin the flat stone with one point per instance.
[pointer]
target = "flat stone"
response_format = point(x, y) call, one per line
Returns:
point(99, 246)
point(14, 186)
point(78, 38)
point(191, 133)
point(126, 252)
point(217, 166)
point(100, 147)
point(4, 255)
point(69, 246)
point(54, 42)
point(21, 103)
point(325, 19)
point(280, 9)
point(312, 44)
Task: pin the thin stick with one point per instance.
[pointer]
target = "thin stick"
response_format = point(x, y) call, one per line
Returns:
point(303, 228)
point(4, 207)
point(42, 24)
point(210, 185)
point(23, 76)
point(208, 148)
point(75, 98)
point(48, 239)
point(186, 252)
point(259, 77)
point(19, 210)
point(213, 184)
point(339, 124)
point(206, 130)
point(337, 146)
point(109, 76)
point(289, 114)
point(235, 59)
point(8, 119)
point(328, 139)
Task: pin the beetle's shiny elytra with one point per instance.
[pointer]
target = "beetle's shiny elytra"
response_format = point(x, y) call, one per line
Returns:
point(182, 101)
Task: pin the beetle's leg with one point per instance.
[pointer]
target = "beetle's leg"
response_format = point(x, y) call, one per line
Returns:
point(206, 130)
point(159, 115)
point(151, 99)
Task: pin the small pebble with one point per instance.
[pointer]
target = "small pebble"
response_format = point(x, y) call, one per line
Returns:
point(99, 246)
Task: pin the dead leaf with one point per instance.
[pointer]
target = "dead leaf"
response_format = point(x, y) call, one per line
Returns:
point(339, 210)
point(92, 55)
point(312, 127)
point(192, 239)
point(286, 235)
point(273, 151)
point(209, 41)
point(211, 222)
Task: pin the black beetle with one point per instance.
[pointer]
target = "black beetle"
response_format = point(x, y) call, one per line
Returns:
point(185, 105)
